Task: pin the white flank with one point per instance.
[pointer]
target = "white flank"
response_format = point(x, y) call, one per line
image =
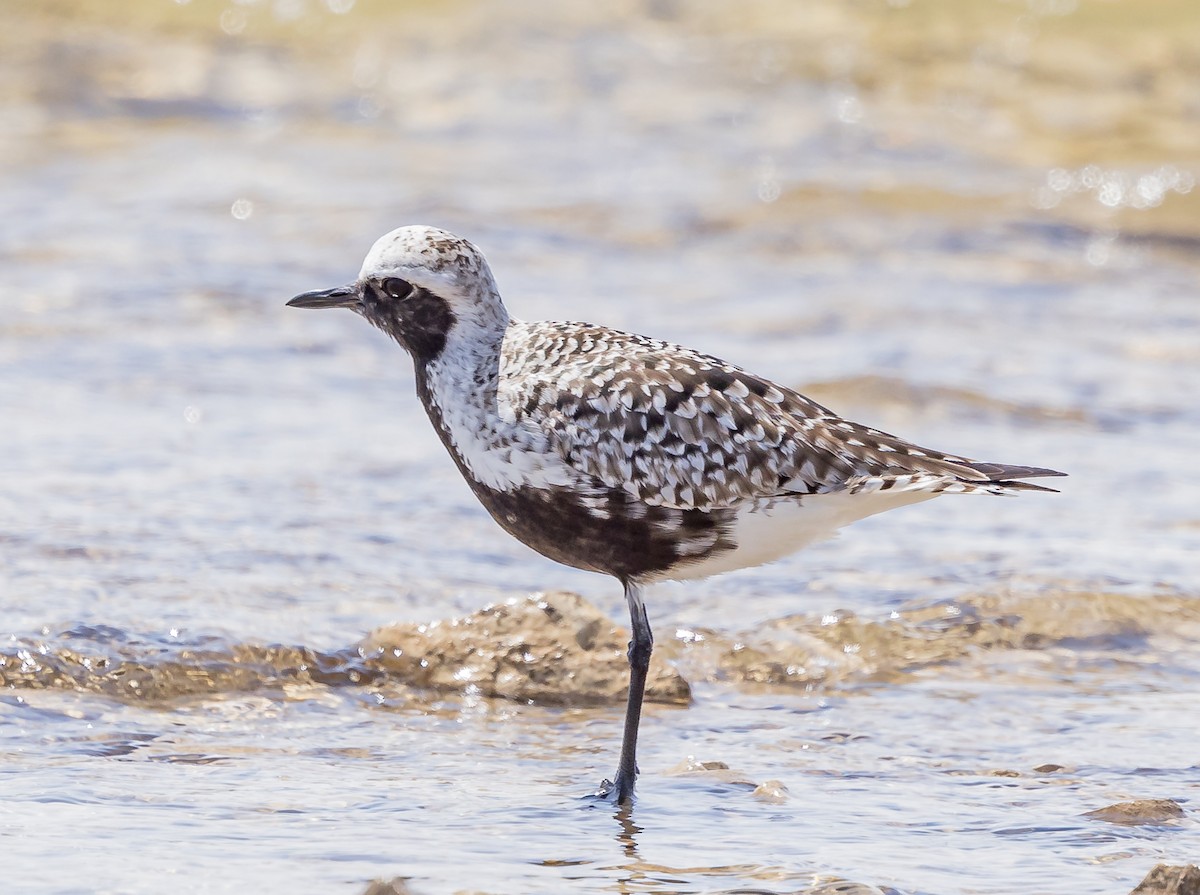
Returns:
point(764, 534)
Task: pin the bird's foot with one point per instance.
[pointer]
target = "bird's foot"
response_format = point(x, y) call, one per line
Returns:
point(614, 793)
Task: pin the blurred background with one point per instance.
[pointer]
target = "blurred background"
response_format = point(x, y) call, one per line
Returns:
point(975, 225)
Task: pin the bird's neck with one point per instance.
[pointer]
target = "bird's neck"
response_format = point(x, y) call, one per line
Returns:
point(458, 389)
point(466, 371)
point(461, 393)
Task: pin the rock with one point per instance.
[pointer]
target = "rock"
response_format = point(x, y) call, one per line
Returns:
point(810, 651)
point(1139, 811)
point(833, 885)
point(773, 792)
point(554, 648)
point(717, 771)
point(1167, 880)
point(397, 886)
point(1048, 768)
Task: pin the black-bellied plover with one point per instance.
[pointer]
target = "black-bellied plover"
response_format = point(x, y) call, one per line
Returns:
point(621, 454)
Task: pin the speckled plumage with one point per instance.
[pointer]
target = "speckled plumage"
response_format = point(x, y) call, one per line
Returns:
point(677, 428)
point(623, 454)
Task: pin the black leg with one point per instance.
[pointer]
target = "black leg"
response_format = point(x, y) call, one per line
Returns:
point(640, 647)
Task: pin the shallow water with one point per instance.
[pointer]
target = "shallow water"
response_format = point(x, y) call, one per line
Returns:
point(977, 229)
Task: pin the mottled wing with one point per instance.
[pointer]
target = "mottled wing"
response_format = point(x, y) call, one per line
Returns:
point(678, 428)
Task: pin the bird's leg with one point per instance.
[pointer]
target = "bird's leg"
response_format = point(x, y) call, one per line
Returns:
point(640, 647)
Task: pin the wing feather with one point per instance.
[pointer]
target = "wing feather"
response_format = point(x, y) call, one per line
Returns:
point(677, 428)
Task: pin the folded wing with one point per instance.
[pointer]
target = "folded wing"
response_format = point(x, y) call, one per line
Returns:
point(674, 427)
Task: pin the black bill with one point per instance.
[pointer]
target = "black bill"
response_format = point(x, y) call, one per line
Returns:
point(337, 297)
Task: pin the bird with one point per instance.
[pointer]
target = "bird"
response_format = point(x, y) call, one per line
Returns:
point(627, 455)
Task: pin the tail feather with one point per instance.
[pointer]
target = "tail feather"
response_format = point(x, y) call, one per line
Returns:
point(1008, 476)
point(878, 461)
point(997, 472)
point(1009, 485)
point(992, 478)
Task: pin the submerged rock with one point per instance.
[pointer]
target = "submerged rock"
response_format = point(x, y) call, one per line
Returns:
point(841, 647)
point(1139, 811)
point(559, 649)
point(397, 886)
point(772, 792)
point(554, 648)
point(1167, 880)
point(834, 885)
point(716, 771)
point(147, 670)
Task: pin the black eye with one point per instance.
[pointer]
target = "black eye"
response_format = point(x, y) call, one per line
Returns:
point(397, 288)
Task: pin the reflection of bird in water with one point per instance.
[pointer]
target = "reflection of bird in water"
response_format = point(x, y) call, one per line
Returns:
point(621, 454)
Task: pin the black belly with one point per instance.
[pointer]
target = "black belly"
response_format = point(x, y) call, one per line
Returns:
point(625, 538)
point(616, 534)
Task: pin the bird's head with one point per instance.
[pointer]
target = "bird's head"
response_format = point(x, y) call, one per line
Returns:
point(422, 286)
